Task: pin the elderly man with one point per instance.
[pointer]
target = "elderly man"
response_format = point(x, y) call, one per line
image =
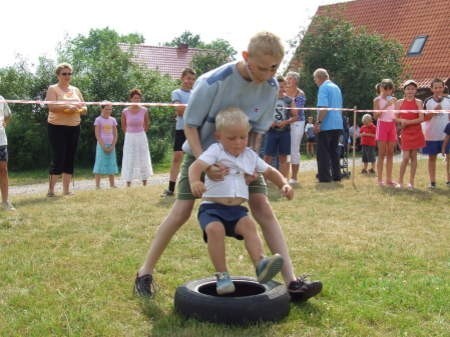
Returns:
point(328, 127)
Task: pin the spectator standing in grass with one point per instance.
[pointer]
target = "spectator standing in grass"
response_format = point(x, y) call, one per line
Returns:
point(434, 125)
point(329, 127)
point(278, 138)
point(5, 116)
point(412, 139)
point(310, 137)
point(105, 155)
point(298, 126)
point(179, 96)
point(386, 136)
point(368, 144)
point(63, 127)
point(135, 122)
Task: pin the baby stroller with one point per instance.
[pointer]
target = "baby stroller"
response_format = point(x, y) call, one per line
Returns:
point(343, 150)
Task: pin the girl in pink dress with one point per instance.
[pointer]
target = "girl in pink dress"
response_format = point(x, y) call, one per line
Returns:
point(386, 135)
point(411, 136)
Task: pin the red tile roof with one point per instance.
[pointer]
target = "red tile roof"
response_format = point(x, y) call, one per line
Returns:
point(404, 20)
point(166, 60)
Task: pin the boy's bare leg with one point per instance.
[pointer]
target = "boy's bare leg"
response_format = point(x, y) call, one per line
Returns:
point(253, 244)
point(216, 245)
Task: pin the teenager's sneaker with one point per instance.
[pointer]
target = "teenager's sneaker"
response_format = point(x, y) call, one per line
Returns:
point(268, 267)
point(8, 206)
point(363, 171)
point(167, 193)
point(432, 185)
point(224, 284)
point(371, 171)
point(302, 289)
point(143, 285)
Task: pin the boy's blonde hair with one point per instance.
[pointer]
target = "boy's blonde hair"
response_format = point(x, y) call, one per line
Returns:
point(367, 118)
point(230, 117)
point(265, 43)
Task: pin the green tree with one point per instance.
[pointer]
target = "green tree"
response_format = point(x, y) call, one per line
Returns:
point(355, 59)
point(28, 146)
point(186, 38)
point(216, 53)
point(104, 72)
point(212, 55)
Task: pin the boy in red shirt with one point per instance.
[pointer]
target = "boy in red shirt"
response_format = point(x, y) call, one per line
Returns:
point(368, 143)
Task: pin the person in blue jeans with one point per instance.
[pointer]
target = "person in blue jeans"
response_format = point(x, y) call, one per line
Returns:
point(328, 127)
point(278, 138)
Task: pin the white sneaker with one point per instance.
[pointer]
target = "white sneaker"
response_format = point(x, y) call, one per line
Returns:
point(293, 182)
point(8, 206)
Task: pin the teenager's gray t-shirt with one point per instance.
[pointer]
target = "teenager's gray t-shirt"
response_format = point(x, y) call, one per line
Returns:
point(224, 87)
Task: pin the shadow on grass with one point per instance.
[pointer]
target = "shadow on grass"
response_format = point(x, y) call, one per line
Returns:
point(37, 200)
point(328, 186)
point(418, 194)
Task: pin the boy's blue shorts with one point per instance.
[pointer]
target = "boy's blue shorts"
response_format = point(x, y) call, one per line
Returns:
point(227, 215)
point(434, 147)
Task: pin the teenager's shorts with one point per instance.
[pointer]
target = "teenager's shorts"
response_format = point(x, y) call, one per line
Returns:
point(184, 188)
point(386, 131)
point(4, 153)
point(179, 140)
point(229, 216)
point(278, 143)
point(434, 147)
point(311, 139)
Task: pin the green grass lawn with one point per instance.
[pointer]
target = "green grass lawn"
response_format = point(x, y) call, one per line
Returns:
point(67, 264)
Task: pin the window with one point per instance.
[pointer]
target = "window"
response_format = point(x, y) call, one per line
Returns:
point(417, 45)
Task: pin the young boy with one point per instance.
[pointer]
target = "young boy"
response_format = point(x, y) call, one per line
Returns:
point(221, 212)
point(310, 137)
point(180, 96)
point(5, 115)
point(368, 143)
point(249, 85)
point(278, 138)
point(434, 125)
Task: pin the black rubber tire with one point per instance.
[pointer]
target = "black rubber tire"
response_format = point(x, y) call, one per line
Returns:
point(251, 302)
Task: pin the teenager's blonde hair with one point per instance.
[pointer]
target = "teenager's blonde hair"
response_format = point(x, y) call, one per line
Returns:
point(230, 117)
point(366, 118)
point(265, 43)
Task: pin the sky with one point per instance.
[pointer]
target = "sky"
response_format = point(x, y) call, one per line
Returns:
point(29, 29)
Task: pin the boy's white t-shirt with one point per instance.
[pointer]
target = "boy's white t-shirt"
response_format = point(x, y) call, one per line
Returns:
point(233, 184)
point(5, 112)
point(433, 129)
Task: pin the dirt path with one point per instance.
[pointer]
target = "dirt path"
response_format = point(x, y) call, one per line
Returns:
point(157, 179)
